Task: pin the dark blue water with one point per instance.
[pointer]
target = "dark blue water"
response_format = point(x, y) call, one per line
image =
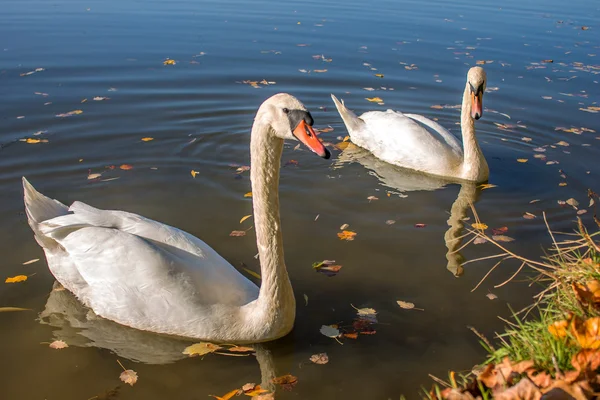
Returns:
point(199, 114)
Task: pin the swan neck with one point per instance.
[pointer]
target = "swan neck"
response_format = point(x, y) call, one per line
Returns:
point(276, 297)
point(475, 167)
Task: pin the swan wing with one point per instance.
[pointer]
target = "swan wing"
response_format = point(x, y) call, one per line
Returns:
point(413, 142)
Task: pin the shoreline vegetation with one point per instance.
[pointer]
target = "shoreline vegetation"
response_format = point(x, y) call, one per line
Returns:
point(551, 349)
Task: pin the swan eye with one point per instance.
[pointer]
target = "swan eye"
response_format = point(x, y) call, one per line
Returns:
point(285, 111)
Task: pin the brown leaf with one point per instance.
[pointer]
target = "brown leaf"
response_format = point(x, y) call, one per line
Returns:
point(240, 349)
point(586, 360)
point(488, 376)
point(129, 376)
point(126, 166)
point(237, 233)
point(542, 379)
point(524, 390)
point(321, 358)
point(287, 382)
point(502, 238)
point(352, 335)
point(587, 333)
point(563, 390)
point(588, 294)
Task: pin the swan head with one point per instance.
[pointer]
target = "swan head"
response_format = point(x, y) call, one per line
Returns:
point(476, 81)
point(289, 119)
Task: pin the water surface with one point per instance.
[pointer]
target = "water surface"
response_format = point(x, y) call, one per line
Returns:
point(199, 113)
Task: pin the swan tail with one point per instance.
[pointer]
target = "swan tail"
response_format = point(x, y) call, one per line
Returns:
point(352, 122)
point(40, 208)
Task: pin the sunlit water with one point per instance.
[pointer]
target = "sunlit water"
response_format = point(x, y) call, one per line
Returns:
point(199, 114)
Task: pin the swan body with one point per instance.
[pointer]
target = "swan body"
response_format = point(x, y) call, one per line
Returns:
point(154, 277)
point(415, 142)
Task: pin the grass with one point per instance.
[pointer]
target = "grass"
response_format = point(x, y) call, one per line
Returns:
point(572, 262)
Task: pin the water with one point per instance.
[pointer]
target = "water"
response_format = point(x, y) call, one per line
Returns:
point(199, 114)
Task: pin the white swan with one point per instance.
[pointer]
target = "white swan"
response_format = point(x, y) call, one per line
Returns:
point(154, 277)
point(418, 143)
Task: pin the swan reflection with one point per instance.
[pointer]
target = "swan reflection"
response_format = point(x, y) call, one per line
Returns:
point(402, 180)
point(79, 326)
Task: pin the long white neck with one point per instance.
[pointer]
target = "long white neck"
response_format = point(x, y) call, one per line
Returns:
point(474, 167)
point(276, 304)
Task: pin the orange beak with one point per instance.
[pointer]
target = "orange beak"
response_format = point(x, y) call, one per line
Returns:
point(476, 106)
point(306, 134)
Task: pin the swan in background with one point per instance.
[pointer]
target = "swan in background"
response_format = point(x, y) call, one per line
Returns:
point(154, 277)
point(418, 143)
point(404, 180)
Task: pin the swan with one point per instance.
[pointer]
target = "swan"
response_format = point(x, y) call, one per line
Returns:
point(418, 143)
point(151, 276)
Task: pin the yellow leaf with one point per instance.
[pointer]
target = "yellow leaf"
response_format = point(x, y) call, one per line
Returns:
point(200, 349)
point(14, 279)
point(346, 235)
point(34, 141)
point(168, 61)
point(562, 184)
point(379, 75)
point(254, 274)
point(245, 217)
point(522, 160)
point(346, 138)
point(249, 194)
point(129, 376)
point(194, 173)
point(479, 225)
point(147, 139)
point(342, 145)
point(374, 99)
point(486, 186)
point(226, 396)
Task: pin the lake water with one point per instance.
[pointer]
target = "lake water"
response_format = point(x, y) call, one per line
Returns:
point(199, 113)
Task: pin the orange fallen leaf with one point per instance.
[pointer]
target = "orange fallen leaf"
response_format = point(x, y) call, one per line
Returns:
point(194, 173)
point(374, 99)
point(126, 166)
point(249, 194)
point(15, 279)
point(168, 61)
point(245, 217)
point(522, 160)
point(147, 139)
point(346, 235)
point(379, 75)
point(58, 344)
point(227, 395)
point(558, 329)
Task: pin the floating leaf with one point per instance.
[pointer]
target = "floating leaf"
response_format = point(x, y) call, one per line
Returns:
point(249, 194)
point(420, 225)
point(129, 376)
point(408, 305)
point(240, 349)
point(237, 233)
point(502, 238)
point(245, 217)
point(572, 202)
point(321, 358)
point(15, 279)
point(200, 349)
point(479, 225)
point(35, 141)
point(101, 98)
point(13, 309)
point(227, 395)
point(126, 166)
point(168, 61)
point(70, 113)
point(94, 176)
point(379, 75)
point(194, 173)
point(374, 99)
point(287, 382)
point(491, 296)
point(528, 215)
point(562, 143)
point(346, 235)
point(390, 222)
point(522, 160)
point(371, 198)
point(486, 186)
point(365, 311)
point(147, 139)
point(31, 261)
point(58, 344)
point(330, 331)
